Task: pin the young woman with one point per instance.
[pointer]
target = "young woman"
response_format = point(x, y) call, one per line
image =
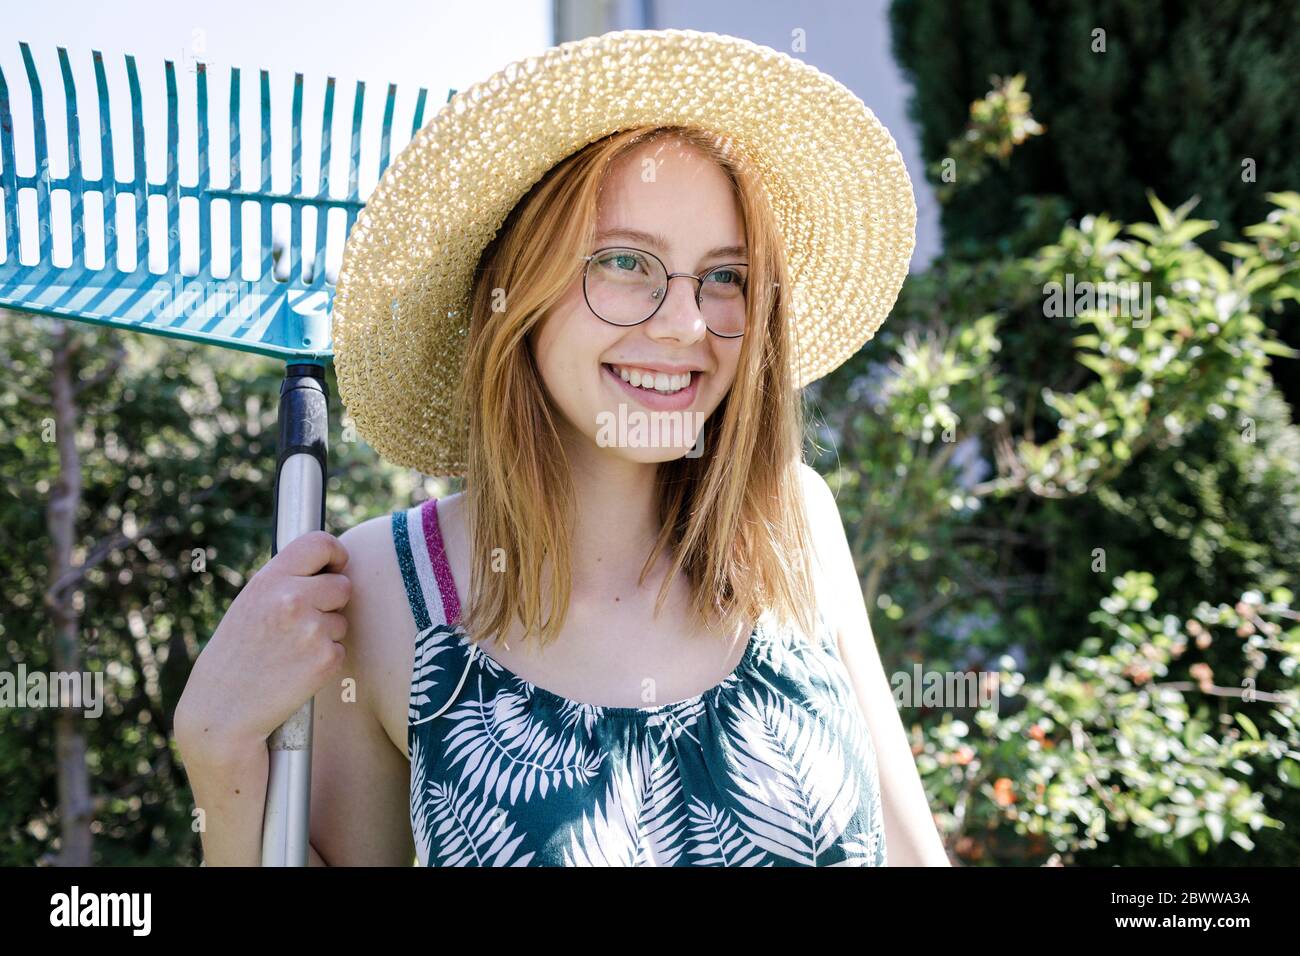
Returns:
point(610, 648)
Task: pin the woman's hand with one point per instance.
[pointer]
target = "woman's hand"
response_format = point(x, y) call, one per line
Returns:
point(278, 644)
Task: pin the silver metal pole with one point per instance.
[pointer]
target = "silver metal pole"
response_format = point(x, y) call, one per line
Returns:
point(299, 508)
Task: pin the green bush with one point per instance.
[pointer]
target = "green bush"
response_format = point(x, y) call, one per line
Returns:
point(993, 485)
point(1181, 97)
point(1130, 736)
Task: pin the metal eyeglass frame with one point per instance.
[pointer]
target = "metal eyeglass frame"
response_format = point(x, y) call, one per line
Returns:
point(699, 287)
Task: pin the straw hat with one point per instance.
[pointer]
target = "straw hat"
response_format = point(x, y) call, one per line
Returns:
point(834, 178)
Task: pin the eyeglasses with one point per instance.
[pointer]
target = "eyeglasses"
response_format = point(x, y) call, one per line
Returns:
point(626, 287)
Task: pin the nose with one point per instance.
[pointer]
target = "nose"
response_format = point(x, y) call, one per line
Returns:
point(678, 318)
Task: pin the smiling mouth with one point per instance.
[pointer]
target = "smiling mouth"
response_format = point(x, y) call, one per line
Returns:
point(691, 379)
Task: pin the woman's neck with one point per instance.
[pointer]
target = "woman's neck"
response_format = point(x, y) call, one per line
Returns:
point(617, 521)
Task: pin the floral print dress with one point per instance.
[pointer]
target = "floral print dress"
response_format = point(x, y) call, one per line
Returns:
point(773, 766)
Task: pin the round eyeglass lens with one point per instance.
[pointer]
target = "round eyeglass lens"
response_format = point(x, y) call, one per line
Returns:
point(625, 286)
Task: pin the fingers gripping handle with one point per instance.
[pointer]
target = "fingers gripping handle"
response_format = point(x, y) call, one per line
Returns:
point(299, 508)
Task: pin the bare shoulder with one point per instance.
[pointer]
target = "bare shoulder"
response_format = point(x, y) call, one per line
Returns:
point(823, 513)
point(451, 515)
point(381, 629)
point(818, 495)
point(836, 576)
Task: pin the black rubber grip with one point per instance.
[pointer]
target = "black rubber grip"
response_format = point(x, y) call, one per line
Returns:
point(304, 427)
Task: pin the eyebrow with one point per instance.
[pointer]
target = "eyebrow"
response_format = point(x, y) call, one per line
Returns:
point(660, 243)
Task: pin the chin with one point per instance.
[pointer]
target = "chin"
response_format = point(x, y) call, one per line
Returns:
point(649, 456)
point(634, 435)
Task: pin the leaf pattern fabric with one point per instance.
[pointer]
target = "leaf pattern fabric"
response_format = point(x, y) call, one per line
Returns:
point(773, 766)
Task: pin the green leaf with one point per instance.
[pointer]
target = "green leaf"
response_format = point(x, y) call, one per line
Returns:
point(1248, 725)
point(1102, 366)
point(1268, 230)
point(1274, 347)
point(1289, 772)
point(1190, 230)
point(1163, 215)
point(1242, 250)
point(1263, 276)
point(1145, 231)
point(1290, 199)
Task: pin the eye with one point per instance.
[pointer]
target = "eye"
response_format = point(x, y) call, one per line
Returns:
point(726, 276)
point(622, 261)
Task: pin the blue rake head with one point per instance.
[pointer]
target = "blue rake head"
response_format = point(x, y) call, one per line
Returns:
point(275, 297)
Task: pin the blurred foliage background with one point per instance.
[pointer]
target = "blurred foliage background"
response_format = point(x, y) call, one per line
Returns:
point(1185, 99)
point(1101, 505)
point(178, 454)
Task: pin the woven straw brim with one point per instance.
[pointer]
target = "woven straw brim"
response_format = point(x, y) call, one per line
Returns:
point(832, 173)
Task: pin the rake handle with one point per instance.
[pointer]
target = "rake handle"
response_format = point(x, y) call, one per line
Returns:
point(299, 508)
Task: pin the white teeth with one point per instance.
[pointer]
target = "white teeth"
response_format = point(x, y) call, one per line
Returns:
point(655, 381)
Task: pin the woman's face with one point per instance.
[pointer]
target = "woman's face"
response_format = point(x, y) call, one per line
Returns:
point(669, 190)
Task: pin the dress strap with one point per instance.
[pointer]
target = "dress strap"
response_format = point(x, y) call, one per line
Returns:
point(442, 660)
point(426, 573)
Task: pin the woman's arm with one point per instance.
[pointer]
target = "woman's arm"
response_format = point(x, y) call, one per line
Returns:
point(231, 790)
point(360, 779)
point(278, 643)
point(911, 837)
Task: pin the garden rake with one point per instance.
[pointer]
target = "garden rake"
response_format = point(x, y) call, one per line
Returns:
point(253, 306)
